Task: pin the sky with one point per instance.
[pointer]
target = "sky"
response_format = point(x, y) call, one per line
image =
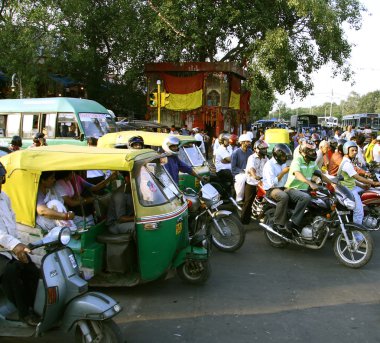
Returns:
point(365, 62)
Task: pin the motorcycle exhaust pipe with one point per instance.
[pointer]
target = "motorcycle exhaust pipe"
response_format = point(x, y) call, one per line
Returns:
point(270, 230)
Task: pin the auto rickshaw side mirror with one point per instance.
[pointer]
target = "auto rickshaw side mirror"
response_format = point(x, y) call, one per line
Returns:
point(81, 137)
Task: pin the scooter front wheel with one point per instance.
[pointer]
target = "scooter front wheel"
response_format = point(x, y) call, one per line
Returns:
point(108, 329)
point(233, 235)
point(194, 272)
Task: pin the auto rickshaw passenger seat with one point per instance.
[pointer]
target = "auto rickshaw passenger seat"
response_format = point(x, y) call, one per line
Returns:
point(119, 251)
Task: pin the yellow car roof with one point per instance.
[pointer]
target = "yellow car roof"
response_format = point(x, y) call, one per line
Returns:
point(150, 138)
point(276, 136)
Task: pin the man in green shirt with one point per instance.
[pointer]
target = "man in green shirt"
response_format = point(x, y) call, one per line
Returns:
point(299, 180)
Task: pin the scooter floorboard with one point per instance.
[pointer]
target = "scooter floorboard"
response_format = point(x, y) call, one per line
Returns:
point(15, 329)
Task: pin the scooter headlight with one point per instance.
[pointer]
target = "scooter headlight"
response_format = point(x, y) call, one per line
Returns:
point(65, 236)
point(349, 204)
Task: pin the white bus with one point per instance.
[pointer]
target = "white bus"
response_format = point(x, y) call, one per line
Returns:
point(328, 121)
point(361, 120)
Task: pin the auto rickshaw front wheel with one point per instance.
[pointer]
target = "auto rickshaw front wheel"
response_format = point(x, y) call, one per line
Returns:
point(194, 271)
point(106, 331)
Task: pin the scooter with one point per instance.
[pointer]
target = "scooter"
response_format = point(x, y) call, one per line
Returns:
point(62, 299)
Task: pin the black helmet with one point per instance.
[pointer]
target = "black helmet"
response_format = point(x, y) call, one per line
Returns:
point(16, 141)
point(281, 153)
point(135, 140)
point(339, 147)
point(309, 150)
point(2, 173)
point(261, 148)
point(333, 143)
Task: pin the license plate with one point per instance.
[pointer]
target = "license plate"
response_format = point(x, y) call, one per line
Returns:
point(217, 204)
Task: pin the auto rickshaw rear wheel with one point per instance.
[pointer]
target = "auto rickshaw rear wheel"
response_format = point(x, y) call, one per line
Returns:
point(194, 271)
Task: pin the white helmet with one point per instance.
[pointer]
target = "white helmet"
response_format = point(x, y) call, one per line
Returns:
point(169, 143)
point(245, 138)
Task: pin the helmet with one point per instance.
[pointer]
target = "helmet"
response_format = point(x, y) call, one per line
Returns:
point(16, 140)
point(339, 147)
point(169, 143)
point(135, 140)
point(261, 147)
point(244, 138)
point(223, 136)
point(233, 139)
point(309, 150)
point(333, 143)
point(281, 153)
point(2, 173)
point(348, 145)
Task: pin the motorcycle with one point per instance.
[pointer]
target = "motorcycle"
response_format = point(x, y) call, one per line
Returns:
point(224, 228)
point(62, 298)
point(328, 215)
point(371, 201)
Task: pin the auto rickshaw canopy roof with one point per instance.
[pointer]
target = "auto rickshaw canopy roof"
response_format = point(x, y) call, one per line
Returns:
point(275, 136)
point(150, 138)
point(24, 168)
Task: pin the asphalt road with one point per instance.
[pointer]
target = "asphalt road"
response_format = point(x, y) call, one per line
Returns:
point(259, 293)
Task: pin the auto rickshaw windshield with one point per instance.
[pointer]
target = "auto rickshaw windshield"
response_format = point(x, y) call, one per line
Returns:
point(191, 155)
point(155, 185)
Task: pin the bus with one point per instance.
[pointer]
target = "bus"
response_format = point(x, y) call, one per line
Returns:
point(362, 120)
point(300, 121)
point(62, 120)
point(328, 121)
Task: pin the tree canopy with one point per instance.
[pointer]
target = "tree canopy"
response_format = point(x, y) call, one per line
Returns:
point(280, 42)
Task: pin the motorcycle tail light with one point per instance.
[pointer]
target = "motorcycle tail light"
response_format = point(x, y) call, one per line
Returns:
point(189, 203)
point(52, 295)
point(313, 193)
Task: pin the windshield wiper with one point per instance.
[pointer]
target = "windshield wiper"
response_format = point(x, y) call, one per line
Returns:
point(162, 184)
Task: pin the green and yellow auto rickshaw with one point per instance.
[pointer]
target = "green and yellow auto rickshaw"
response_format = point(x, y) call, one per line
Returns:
point(160, 242)
point(188, 152)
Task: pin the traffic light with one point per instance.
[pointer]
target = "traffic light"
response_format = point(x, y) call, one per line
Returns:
point(153, 99)
point(164, 99)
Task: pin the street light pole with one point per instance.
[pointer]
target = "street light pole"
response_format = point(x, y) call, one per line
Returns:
point(159, 101)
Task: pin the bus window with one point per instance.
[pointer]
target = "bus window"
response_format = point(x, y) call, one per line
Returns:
point(48, 124)
point(13, 125)
point(3, 121)
point(64, 122)
point(29, 125)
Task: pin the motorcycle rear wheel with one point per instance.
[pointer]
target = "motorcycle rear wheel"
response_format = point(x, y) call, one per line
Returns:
point(272, 239)
point(194, 272)
point(109, 329)
point(234, 234)
point(360, 255)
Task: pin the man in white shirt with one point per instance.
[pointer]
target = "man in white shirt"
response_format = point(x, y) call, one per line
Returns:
point(18, 274)
point(223, 162)
point(198, 136)
point(347, 135)
point(275, 175)
point(376, 150)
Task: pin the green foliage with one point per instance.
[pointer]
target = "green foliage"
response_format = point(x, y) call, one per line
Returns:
point(281, 41)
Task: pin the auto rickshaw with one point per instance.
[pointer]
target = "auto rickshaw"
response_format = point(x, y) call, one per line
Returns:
point(276, 136)
point(188, 152)
point(161, 241)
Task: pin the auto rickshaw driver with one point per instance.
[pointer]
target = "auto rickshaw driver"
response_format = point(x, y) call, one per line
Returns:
point(174, 165)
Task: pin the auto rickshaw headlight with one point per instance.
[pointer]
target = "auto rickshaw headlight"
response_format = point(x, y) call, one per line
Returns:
point(65, 236)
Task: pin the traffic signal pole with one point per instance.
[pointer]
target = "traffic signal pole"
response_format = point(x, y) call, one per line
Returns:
point(158, 101)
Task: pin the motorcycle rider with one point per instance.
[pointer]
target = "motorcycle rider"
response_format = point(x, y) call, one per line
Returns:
point(275, 175)
point(336, 158)
point(136, 142)
point(301, 171)
point(223, 163)
point(18, 274)
point(254, 172)
point(239, 160)
point(350, 175)
point(175, 165)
